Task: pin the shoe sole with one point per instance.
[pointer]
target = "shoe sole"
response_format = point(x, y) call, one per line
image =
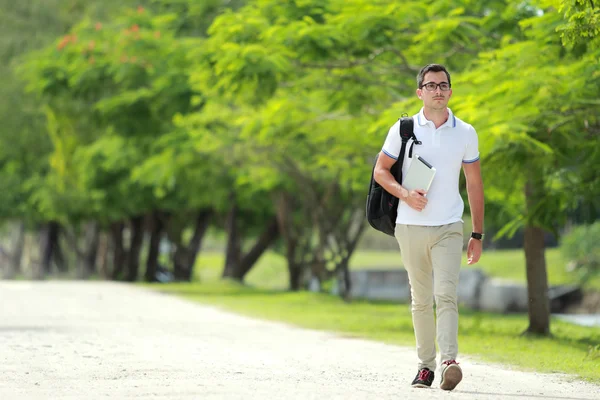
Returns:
point(421, 386)
point(451, 377)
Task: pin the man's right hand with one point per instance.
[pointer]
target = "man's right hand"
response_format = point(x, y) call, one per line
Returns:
point(416, 199)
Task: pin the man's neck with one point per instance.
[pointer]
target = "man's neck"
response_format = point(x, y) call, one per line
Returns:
point(438, 117)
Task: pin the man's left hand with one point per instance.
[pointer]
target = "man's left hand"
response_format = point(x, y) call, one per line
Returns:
point(474, 249)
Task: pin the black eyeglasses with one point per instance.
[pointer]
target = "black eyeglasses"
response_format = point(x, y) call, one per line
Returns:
point(432, 86)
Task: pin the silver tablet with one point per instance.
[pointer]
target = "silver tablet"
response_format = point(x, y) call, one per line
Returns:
point(420, 174)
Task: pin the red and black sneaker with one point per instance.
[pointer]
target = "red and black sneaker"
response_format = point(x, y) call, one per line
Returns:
point(424, 378)
point(451, 375)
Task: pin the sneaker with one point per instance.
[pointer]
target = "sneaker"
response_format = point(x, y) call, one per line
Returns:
point(424, 378)
point(451, 375)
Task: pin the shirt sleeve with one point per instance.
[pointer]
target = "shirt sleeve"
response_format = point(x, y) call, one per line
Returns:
point(472, 147)
point(393, 143)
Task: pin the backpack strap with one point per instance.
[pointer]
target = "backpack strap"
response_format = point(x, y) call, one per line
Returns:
point(406, 131)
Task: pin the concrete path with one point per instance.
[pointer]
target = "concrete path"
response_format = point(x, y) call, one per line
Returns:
point(97, 340)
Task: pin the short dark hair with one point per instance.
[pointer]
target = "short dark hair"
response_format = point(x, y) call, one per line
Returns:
point(431, 68)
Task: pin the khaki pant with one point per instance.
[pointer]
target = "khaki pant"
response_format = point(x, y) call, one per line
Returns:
point(432, 257)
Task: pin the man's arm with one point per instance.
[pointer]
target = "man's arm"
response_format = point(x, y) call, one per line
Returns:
point(476, 202)
point(415, 198)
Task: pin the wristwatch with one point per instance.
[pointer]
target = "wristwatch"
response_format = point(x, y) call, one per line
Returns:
point(478, 236)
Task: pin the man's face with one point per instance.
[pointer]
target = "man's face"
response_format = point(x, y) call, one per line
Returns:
point(436, 99)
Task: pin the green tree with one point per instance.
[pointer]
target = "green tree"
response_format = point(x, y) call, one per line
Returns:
point(27, 26)
point(114, 88)
point(582, 20)
point(534, 99)
point(319, 83)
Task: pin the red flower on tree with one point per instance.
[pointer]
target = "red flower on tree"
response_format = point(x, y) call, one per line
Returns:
point(66, 40)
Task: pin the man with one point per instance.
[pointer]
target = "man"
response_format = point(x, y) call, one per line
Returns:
point(429, 226)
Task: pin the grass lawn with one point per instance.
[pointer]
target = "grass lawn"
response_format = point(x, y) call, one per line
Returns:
point(491, 337)
point(271, 273)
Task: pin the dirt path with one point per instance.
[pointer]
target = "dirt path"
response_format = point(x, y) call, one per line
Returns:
point(96, 340)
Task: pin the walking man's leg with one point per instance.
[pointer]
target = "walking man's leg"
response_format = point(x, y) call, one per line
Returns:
point(446, 257)
point(414, 246)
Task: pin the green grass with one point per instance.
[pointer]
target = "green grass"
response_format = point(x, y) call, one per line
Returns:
point(271, 273)
point(510, 264)
point(491, 337)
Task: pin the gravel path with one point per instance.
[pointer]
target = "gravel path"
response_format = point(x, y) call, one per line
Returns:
point(99, 340)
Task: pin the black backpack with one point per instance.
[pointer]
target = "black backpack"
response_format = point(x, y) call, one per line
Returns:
point(382, 207)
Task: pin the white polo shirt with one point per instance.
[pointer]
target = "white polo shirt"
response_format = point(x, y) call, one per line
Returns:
point(446, 148)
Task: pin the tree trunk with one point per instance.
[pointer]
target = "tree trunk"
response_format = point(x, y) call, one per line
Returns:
point(286, 229)
point(14, 266)
point(202, 224)
point(265, 240)
point(175, 233)
point(116, 231)
point(233, 250)
point(103, 256)
point(295, 271)
point(347, 293)
point(537, 279)
point(184, 257)
point(133, 255)
point(295, 267)
point(73, 244)
point(156, 231)
point(91, 239)
point(180, 262)
point(345, 281)
point(46, 249)
point(59, 258)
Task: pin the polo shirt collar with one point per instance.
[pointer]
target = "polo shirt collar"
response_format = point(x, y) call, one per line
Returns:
point(450, 123)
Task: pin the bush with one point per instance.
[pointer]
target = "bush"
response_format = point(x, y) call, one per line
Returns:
point(581, 247)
